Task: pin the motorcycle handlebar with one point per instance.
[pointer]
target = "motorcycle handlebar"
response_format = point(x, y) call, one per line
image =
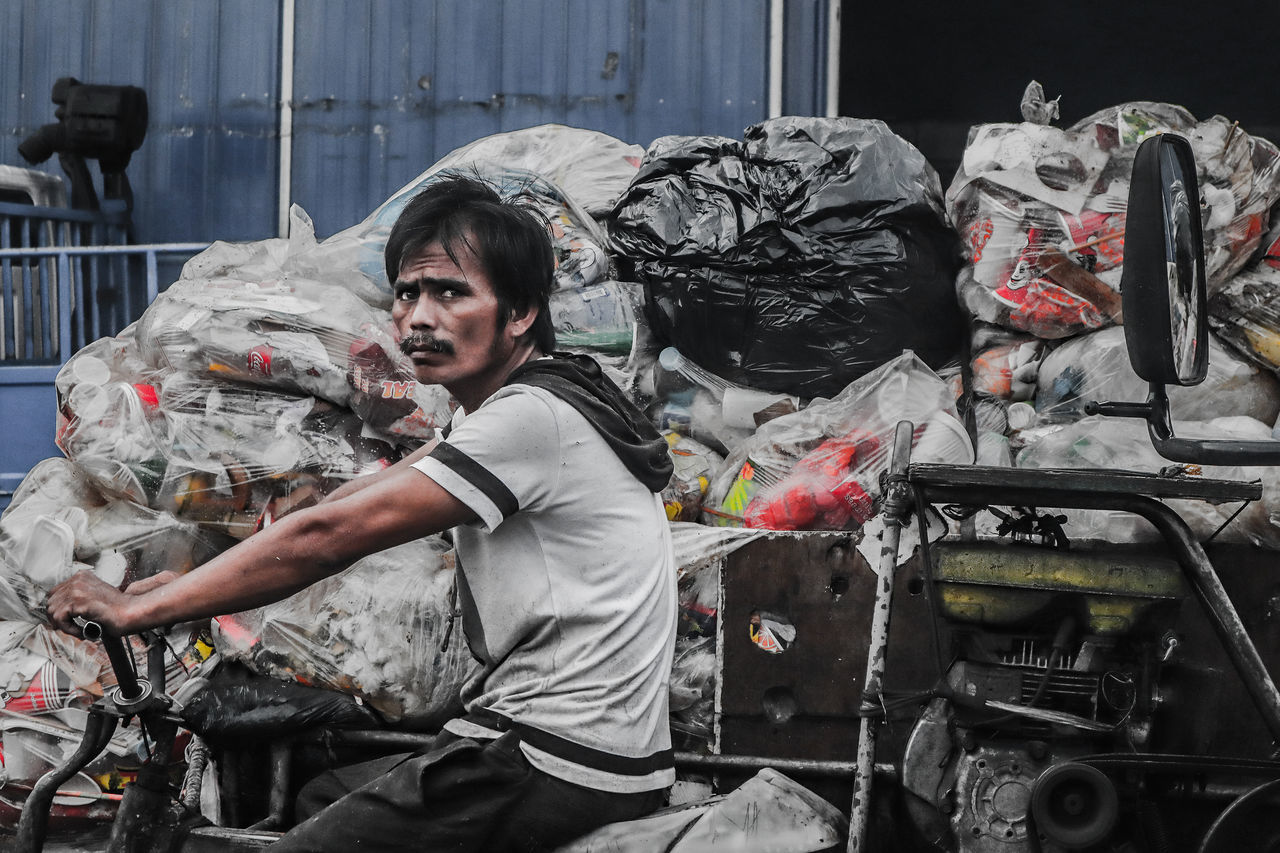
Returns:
point(121, 662)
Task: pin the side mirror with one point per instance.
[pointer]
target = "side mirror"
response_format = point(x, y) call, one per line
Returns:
point(1163, 285)
point(1164, 295)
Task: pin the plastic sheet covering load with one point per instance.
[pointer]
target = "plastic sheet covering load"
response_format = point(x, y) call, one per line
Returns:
point(767, 812)
point(795, 260)
point(1042, 211)
point(819, 468)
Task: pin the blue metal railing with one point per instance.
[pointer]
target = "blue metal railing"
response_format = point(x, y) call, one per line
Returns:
point(55, 300)
point(65, 281)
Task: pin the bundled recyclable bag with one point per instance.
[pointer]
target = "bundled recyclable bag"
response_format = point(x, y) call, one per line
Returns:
point(692, 688)
point(600, 316)
point(819, 469)
point(294, 335)
point(694, 465)
point(59, 522)
point(698, 403)
point(239, 457)
point(590, 167)
point(1042, 211)
point(795, 260)
point(382, 630)
point(226, 456)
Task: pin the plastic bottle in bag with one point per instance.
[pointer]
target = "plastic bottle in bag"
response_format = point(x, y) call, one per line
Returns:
point(719, 411)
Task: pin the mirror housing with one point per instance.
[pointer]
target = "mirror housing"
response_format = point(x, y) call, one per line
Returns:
point(1165, 294)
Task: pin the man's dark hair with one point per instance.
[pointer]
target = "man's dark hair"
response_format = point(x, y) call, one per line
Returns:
point(508, 237)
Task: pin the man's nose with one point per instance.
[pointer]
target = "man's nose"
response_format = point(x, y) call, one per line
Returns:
point(423, 314)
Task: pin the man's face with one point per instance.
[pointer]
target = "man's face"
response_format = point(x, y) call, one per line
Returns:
point(447, 319)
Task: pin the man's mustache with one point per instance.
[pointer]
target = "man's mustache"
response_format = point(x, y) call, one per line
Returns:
point(423, 341)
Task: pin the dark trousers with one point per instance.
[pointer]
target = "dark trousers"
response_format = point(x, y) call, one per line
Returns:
point(464, 795)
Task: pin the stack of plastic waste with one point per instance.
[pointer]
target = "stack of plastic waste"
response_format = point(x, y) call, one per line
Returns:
point(795, 260)
point(1042, 211)
point(1042, 214)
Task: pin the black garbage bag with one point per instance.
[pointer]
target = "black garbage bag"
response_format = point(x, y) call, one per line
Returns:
point(237, 704)
point(797, 260)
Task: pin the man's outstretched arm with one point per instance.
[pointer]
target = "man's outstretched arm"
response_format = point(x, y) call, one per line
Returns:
point(286, 557)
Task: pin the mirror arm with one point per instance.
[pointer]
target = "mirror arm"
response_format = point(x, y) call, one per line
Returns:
point(1118, 410)
point(1207, 451)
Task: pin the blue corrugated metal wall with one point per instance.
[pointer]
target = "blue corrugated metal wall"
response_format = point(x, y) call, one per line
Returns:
point(383, 88)
point(406, 82)
point(210, 69)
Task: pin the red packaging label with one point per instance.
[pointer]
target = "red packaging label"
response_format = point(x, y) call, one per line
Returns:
point(1272, 256)
point(260, 359)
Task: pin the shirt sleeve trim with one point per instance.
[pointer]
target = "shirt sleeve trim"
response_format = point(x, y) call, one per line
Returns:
point(478, 476)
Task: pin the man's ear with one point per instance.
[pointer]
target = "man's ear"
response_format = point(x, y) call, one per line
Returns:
point(521, 321)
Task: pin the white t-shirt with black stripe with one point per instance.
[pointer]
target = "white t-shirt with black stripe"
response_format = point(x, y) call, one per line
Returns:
point(567, 590)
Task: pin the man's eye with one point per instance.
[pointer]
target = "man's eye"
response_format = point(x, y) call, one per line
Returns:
point(406, 294)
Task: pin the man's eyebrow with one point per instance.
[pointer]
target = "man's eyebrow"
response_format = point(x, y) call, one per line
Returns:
point(429, 281)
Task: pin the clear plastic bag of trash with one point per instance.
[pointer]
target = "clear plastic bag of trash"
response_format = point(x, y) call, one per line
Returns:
point(599, 316)
point(692, 687)
point(579, 243)
point(1095, 367)
point(795, 260)
point(767, 812)
point(1005, 364)
point(819, 469)
point(592, 168)
point(1115, 444)
point(296, 336)
point(1246, 313)
point(221, 454)
point(1042, 212)
point(59, 522)
point(382, 630)
point(240, 456)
